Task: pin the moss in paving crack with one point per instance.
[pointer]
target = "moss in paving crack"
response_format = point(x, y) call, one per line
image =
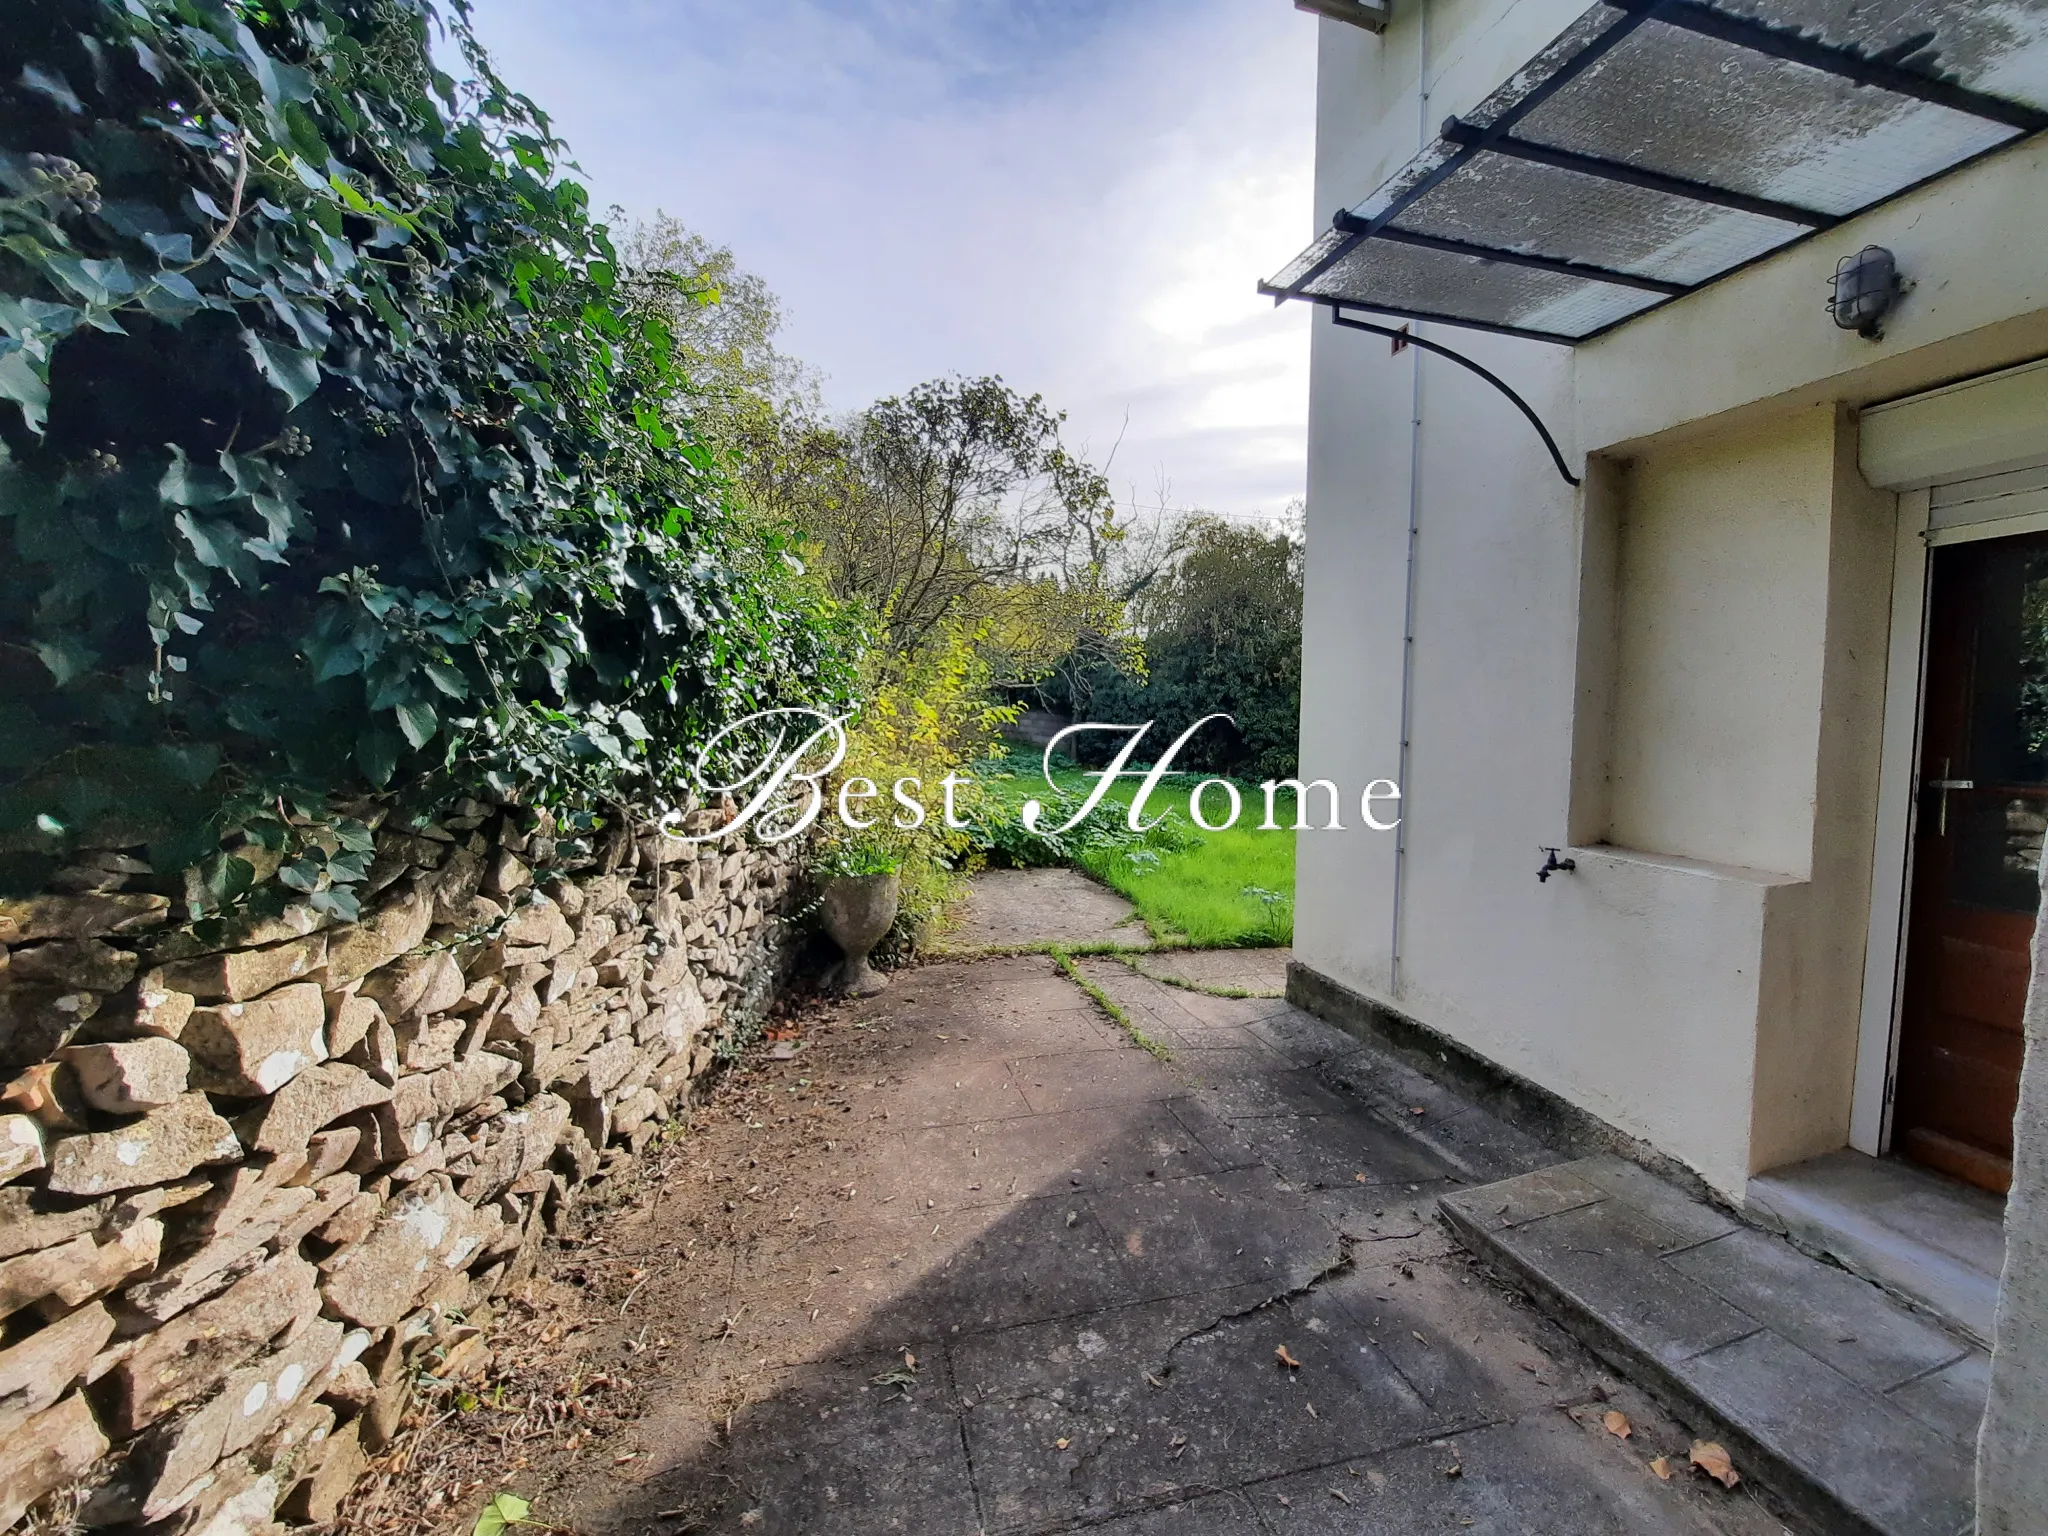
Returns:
point(1064, 959)
point(1188, 983)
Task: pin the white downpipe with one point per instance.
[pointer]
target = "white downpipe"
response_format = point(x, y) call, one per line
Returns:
point(1422, 129)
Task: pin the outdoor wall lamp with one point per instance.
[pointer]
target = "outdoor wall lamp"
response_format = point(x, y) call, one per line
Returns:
point(1553, 865)
point(1867, 285)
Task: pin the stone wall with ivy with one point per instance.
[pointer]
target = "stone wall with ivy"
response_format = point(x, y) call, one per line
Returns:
point(256, 1179)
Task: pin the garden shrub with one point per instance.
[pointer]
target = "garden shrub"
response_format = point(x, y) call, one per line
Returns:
point(334, 457)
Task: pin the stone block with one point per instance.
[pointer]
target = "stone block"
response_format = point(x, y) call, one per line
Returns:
point(451, 887)
point(29, 1221)
point(48, 1094)
point(183, 1359)
point(129, 1249)
point(126, 1077)
point(349, 1019)
point(47, 1451)
point(237, 975)
point(163, 1145)
point(176, 1455)
point(396, 927)
point(377, 1052)
point(24, 921)
point(354, 1221)
point(507, 874)
point(73, 965)
point(41, 1368)
point(247, 1049)
point(161, 1009)
point(30, 1277)
point(332, 1195)
point(21, 1147)
point(634, 1112)
point(351, 1388)
point(428, 983)
point(328, 1152)
point(217, 1265)
point(331, 1472)
point(317, 1097)
point(428, 1042)
point(471, 1081)
point(423, 1232)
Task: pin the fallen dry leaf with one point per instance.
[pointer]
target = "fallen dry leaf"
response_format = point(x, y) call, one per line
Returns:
point(1662, 1467)
point(1711, 1459)
point(1062, 1443)
point(1617, 1423)
point(1280, 1354)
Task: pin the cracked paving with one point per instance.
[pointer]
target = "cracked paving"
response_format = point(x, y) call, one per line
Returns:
point(969, 1261)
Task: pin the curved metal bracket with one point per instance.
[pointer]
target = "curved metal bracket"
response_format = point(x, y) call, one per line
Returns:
point(1409, 338)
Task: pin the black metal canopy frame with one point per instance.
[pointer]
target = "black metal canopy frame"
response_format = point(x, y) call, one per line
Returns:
point(1408, 338)
point(1470, 232)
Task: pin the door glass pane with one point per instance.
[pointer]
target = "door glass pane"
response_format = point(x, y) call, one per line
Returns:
point(1997, 823)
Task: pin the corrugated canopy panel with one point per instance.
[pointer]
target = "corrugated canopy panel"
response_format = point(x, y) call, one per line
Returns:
point(1660, 144)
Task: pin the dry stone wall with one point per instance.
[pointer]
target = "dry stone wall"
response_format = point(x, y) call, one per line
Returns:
point(250, 1190)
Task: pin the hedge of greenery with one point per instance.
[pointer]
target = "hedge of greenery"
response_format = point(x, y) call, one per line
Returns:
point(332, 456)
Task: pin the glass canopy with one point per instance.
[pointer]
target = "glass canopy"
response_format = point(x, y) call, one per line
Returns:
point(1658, 145)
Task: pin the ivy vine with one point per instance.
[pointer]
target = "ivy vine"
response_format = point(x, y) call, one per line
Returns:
point(334, 458)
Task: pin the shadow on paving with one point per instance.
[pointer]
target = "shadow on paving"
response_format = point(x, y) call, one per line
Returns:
point(1080, 1287)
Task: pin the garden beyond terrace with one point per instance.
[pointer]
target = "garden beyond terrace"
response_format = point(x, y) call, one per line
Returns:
point(1227, 888)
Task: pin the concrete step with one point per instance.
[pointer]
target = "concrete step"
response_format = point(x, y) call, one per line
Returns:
point(1858, 1412)
point(1931, 1239)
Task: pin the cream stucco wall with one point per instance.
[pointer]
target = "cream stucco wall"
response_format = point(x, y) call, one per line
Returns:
point(1678, 669)
point(1722, 591)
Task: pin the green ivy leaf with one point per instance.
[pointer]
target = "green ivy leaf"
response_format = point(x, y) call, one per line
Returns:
point(377, 754)
point(294, 372)
point(417, 719)
point(506, 1509)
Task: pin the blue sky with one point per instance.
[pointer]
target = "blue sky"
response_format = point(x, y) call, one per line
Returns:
point(1076, 194)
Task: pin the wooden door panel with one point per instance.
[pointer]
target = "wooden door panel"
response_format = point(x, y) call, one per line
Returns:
point(1978, 982)
point(1983, 806)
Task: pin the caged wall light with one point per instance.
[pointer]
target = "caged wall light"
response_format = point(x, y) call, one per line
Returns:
point(1867, 286)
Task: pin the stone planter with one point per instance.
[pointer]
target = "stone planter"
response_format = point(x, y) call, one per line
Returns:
point(857, 910)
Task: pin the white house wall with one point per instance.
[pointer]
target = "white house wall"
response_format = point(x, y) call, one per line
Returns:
point(1680, 669)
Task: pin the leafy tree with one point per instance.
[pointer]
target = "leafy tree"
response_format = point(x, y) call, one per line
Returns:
point(332, 455)
point(731, 375)
point(1221, 624)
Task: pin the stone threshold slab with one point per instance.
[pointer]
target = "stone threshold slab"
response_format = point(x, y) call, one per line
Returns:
point(1857, 1411)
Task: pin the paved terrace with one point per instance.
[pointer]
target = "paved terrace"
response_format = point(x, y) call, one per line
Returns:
point(969, 1259)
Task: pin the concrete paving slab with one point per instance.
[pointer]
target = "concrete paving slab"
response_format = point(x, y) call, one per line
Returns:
point(1605, 1262)
point(1351, 1153)
point(1229, 1228)
point(1511, 1480)
point(1247, 970)
point(1847, 1403)
point(947, 1092)
point(810, 1465)
point(1301, 1038)
point(1829, 1313)
point(1950, 1400)
point(1874, 1464)
point(1039, 906)
point(1242, 1083)
point(989, 1162)
point(1083, 1080)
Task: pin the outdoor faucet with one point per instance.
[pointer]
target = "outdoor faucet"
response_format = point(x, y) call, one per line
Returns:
point(1553, 865)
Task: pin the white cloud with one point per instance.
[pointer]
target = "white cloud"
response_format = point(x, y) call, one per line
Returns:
point(1078, 195)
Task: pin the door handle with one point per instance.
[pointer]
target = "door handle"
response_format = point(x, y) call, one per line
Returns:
point(1945, 785)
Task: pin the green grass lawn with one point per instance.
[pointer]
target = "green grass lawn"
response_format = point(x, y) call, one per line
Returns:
point(1229, 888)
